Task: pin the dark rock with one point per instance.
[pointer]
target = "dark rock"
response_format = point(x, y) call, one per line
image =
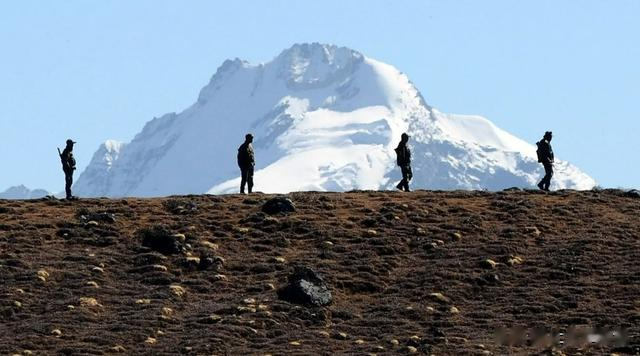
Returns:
point(208, 262)
point(158, 238)
point(305, 287)
point(278, 205)
point(633, 193)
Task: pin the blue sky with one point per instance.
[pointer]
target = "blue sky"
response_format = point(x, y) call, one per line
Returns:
point(95, 70)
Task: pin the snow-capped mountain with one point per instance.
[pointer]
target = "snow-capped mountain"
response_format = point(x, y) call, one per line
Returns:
point(22, 192)
point(324, 118)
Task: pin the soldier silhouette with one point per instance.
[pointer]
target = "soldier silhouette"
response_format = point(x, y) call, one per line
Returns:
point(403, 158)
point(545, 156)
point(68, 166)
point(246, 162)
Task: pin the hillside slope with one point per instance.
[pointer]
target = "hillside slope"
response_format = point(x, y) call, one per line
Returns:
point(75, 278)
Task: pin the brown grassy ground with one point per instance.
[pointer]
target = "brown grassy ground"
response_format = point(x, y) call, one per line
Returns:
point(562, 259)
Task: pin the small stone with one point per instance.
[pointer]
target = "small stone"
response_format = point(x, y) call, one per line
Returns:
point(415, 337)
point(295, 343)
point(214, 318)
point(342, 336)
point(71, 307)
point(454, 310)
point(160, 332)
point(359, 342)
point(420, 231)
point(515, 260)
point(271, 286)
point(180, 237)
point(249, 301)
point(143, 301)
point(279, 260)
point(210, 245)
point(324, 333)
point(243, 309)
point(98, 269)
point(56, 332)
point(118, 348)
point(371, 233)
point(262, 307)
point(243, 230)
point(488, 263)
point(167, 312)
point(440, 242)
point(532, 230)
point(411, 349)
point(430, 309)
point(159, 268)
point(92, 284)
point(220, 277)
point(43, 275)
point(394, 342)
point(439, 297)
point(278, 205)
point(380, 347)
point(17, 304)
point(150, 341)
point(327, 243)
point(177, 290)
point(456, 236)
point(92, 223)
point(20, 291)
point(27, 352)
point(89, 302)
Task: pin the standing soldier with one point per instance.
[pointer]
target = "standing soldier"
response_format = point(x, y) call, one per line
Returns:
point(403, 155)
point(68, 166)
point(246, 162)
point(545, 156)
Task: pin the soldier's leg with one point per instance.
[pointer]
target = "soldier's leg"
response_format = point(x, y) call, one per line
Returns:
point(404, 184)
point(549, 173)
point(68, 180)
point(250, 179)
point(243, 179)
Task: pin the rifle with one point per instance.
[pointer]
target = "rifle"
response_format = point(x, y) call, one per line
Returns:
point(59, 153)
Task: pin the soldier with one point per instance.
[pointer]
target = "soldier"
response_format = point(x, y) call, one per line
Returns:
point(246, 162)
point(403, 158)
point(68, 166)
point(545, 156)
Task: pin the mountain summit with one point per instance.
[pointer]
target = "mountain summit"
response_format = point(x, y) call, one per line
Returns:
point(324, 118)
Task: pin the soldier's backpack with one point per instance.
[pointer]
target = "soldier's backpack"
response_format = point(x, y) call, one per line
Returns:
point(399, 156)
point(539, 152)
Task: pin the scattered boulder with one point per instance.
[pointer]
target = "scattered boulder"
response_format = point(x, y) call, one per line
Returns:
point(158, 238)
point(278, 205)
point(306, 287)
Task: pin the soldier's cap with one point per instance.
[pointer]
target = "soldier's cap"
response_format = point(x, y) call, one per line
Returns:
point(70, 142)
point(248, 135)
point(548, 133)
point(405, 135)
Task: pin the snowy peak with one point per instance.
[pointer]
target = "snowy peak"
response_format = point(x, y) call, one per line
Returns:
point(306, 66)
point(324, 118)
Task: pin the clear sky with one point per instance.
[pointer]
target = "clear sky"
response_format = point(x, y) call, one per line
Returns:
point(95, 70)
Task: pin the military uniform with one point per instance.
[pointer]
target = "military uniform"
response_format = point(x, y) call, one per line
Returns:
point(404, 161)
point(546, 158)
point(246, 162)
point(68, 166)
